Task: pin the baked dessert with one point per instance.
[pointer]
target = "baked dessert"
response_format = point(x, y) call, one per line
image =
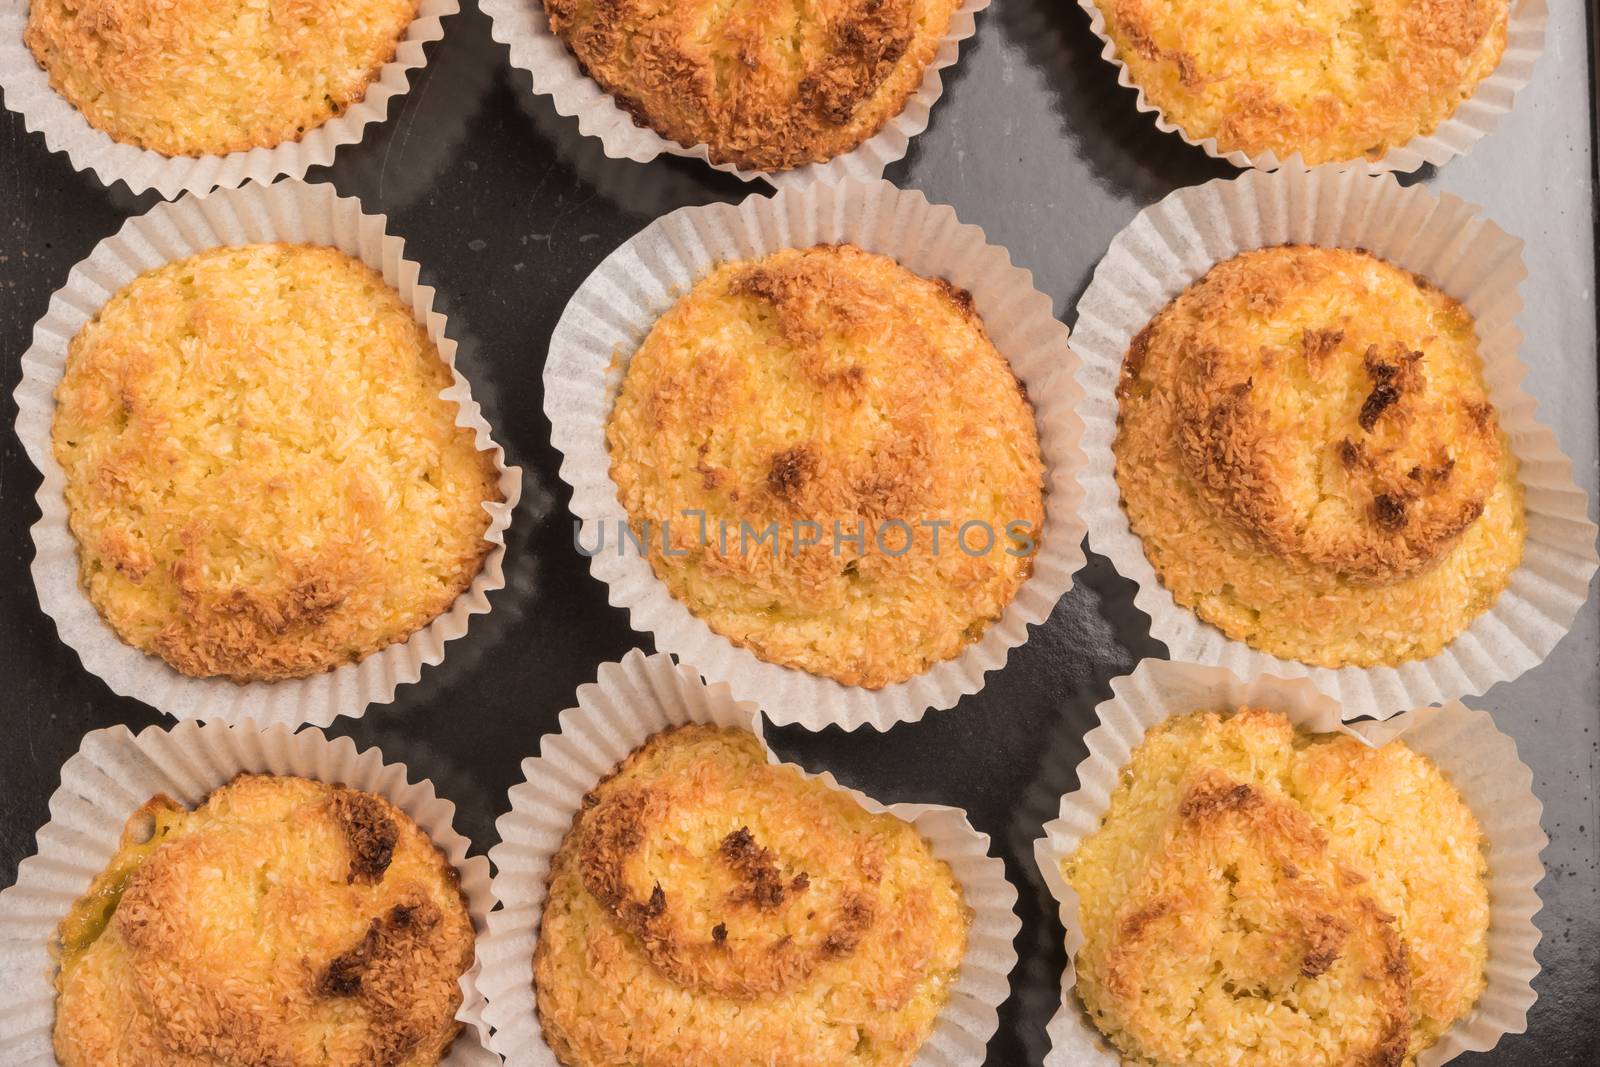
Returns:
point(1308, 453)
point(830, 395)
point(765, 86)
point(261, 476)
point(710, 907)
point(1256, 895)
point(1332, 81)
point(283, 921)
point(194, 77)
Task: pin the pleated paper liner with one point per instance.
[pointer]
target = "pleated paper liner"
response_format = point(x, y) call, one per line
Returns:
point(1446, 240)
point(616, 714)
point(291, 212)
point(115, 771)
point(613, 311)
point(1479, 760)
point(45, 111)
point(1473, 119)
point(523, 26)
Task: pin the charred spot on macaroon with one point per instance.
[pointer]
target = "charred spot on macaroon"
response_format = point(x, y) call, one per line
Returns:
point(790, 470)
point(369, 831)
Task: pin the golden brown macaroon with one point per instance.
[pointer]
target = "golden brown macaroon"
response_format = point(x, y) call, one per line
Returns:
point(1258, 896)
point(1308, 453)
point(198, 77)
point(709, 907)
point(831, 386)
point(764, 84)
point(1330, 79)
point(261, 476)
point(283, 921)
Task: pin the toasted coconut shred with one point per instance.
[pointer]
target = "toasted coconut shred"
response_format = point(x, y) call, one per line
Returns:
point(710, 908)
point(262, 478)
point(1261, 896)
point(1308, 453)
point(831, 394)
point(283, 921)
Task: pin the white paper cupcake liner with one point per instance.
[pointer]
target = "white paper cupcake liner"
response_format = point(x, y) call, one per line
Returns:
point(629, 702)
point(292, 212)
point(1479, 760)
point(115, 772)
point(43, 110)
point(1172, 244)
point(613, 311)
point(522, 25)
point(1472, 120)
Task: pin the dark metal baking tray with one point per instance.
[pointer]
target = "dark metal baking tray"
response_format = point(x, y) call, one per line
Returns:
point(508, 208)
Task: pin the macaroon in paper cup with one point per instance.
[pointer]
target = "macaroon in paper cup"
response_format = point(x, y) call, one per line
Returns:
point(45, 111)
point(1447, 241)
point(616, 306)
point(628, 703)
point(1479, 761)
point(116, 771)
point(535, 48)
point(293, 212)
point(1473, 119)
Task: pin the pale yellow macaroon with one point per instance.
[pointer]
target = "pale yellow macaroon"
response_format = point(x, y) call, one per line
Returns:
point(283, 921)
point(1307, 451)
point(1330, 79)
point(1258, 896)
point(261, 475)
point(708, 907)
point(769, 86)
point(823, 392)
point(197, 77)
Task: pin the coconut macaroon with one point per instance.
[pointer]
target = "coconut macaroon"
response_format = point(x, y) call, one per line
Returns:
point(1261, 896)
point(261, 476)
point(283, 921)
point(833, 396)
point(1307, 451)
point(1328, 79)
point(767, 86)
point(710, 907)
point(197, 77)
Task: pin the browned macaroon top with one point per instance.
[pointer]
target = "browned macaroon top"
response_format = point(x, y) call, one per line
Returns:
point(262, 477)
point(198, 77)
point(1329, 79)
point(283, 922)
point(709, 907)
point(1257, 896)
point(1310, 415)
point(764, 84)
point(1310, 921)
point(1307, 451)
point(835, 387)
